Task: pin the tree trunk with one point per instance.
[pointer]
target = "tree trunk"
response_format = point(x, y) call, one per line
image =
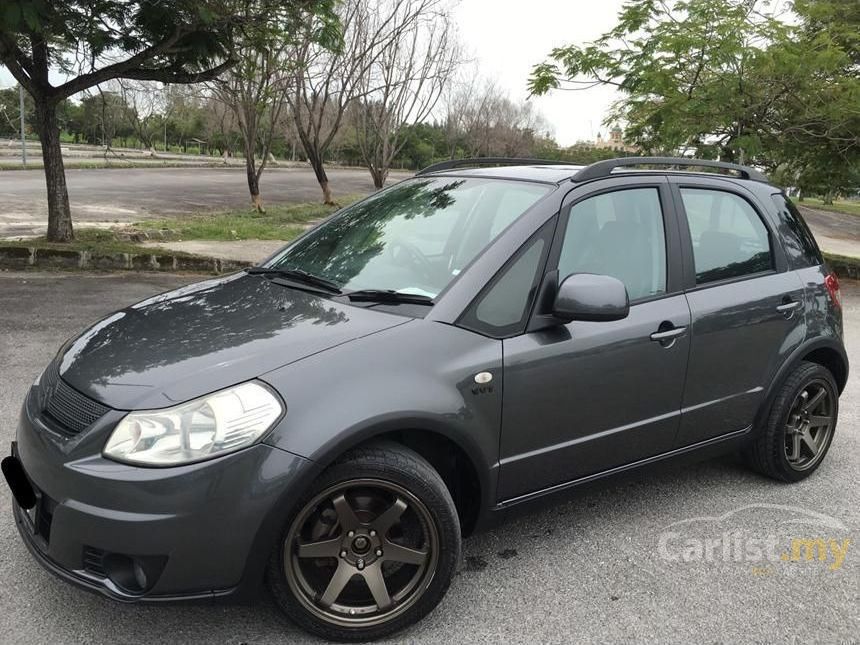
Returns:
point(253, 184)
point(59, 215)
point(378, 176)
point(322, 178)
point(327, 199)
point(828, 198)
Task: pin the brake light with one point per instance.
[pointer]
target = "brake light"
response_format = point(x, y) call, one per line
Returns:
point(831, 282)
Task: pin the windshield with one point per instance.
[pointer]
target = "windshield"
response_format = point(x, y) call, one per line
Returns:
point(414, 237)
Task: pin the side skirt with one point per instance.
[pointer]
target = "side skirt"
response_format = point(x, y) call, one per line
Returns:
point(726, 438)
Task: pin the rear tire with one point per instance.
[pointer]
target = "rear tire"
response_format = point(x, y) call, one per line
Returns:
point(370, 549)
point(800, 425)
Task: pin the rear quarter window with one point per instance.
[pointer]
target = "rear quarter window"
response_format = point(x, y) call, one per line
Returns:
point(797, 239)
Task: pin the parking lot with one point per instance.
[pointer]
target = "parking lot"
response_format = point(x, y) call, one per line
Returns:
point(633, 559)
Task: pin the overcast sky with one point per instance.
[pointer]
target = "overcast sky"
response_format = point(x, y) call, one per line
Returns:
point(507, 37)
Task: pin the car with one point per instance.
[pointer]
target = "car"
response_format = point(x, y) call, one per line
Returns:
point(480, 337)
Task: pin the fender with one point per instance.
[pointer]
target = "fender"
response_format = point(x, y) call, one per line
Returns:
point(370, 429)
point(791, 363)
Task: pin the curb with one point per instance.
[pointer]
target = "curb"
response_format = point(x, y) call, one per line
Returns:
point(843, 266)
point(23, 257)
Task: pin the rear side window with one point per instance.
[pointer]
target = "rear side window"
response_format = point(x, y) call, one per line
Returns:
point(729, 239)
point(796, 237)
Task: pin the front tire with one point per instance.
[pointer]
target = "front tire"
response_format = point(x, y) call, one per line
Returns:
point(371, 548)
point(800, 426)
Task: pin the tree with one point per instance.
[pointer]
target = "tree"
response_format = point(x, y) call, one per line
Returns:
point(103, 117)
point(729, 80)
point(481, 121)
point(143, 104)
point(326, 81)
point(404, 83)
point(220, 127)
point(10, 112)
point(692, 74)
point(255, 88)
point(817, 143)
point(95, 41)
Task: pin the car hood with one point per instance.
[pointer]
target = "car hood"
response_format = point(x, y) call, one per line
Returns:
point(206, 336)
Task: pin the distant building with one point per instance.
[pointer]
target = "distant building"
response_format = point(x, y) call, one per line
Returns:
point(615, 141)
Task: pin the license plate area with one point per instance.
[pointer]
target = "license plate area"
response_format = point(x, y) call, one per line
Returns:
point(37, 509)
point(19, 484)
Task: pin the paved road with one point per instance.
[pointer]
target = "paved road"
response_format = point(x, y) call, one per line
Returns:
point(836, 232)
point(129, 195)
point(588, 570)
point(839, 225)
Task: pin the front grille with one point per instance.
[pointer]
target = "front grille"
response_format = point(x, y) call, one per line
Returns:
point(69, 411)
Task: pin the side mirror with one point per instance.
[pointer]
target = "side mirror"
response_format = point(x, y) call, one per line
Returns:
point(586, 296)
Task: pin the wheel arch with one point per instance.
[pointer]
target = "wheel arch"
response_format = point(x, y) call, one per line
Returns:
point(468, 478)
point(823, 351)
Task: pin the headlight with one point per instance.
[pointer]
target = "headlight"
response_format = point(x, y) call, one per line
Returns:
point(206, 427)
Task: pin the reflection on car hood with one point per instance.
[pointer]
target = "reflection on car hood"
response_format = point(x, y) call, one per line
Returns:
point(206, 336)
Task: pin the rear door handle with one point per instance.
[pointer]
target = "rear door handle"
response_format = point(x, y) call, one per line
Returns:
point(788, 306)
point(669, 334)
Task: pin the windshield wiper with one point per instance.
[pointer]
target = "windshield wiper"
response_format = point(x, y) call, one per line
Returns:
point(296, 275)
point(389, 295)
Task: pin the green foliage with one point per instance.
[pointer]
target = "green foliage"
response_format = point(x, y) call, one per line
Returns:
point(179, 41)
point(728, 80)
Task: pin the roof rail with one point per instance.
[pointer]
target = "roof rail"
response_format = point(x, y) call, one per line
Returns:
point(489, 161)
point(605, 168)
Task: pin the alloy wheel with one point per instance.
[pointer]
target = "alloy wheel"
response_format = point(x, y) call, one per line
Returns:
point(809, 426)
point(361, 552)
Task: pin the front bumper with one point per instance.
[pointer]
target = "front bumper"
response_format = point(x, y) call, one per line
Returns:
point(152, 534)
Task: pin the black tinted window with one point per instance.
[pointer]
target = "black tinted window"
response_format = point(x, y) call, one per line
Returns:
point(729, 239)
point(619, 234)
point(505, 305)
point(799, 244)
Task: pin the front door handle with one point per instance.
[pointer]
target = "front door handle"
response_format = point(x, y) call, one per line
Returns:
point(668, 334)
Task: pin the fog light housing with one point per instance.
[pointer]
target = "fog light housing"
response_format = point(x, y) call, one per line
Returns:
point(130, 574)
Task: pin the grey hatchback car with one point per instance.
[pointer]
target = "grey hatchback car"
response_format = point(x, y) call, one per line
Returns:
point(480, 336)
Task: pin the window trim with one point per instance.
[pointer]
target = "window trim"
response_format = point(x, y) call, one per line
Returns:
point(674, 269)
point(778, 261)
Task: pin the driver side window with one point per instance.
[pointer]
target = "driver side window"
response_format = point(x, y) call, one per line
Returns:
point(619, 234)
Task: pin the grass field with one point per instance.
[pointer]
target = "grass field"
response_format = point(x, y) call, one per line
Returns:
point(843, 206)
point(278, 223)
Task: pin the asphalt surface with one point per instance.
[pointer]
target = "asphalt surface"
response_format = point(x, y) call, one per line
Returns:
point(591, 569)
point(128, 195)
point(838, 225)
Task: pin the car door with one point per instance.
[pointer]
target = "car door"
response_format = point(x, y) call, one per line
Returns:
point(746, 305)
point(586, 397)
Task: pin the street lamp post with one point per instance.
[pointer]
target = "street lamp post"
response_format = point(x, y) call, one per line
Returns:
point(23, 140)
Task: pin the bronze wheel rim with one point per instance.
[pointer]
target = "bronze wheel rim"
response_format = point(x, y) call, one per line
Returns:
point(809, 426)
point(361, 553)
